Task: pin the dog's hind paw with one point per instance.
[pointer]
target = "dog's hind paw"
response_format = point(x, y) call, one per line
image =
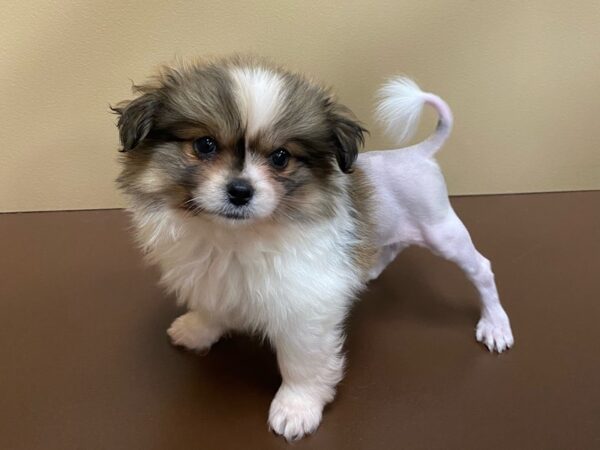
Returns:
point(495, 333)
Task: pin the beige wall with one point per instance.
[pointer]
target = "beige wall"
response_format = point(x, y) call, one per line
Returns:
point(523, 78)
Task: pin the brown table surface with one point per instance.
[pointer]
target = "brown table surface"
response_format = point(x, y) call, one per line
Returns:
point(86, 364)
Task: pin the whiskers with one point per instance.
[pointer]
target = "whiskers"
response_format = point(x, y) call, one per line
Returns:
point(191, 207)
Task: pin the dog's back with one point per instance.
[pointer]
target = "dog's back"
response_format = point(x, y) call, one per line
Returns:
point(409, 186)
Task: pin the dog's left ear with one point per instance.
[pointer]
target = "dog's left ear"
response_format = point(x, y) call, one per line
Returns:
point(348, 135)
point(136, 119)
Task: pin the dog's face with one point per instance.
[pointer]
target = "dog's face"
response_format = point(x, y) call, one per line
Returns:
point(236, 140)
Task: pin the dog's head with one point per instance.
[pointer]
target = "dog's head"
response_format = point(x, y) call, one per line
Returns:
point(238, 140)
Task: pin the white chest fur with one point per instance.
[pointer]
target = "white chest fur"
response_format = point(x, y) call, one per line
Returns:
point(255, 278)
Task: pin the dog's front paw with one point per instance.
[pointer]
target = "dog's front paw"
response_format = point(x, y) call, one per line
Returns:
point(294, 414)
point(191, 331)
point(495, 332)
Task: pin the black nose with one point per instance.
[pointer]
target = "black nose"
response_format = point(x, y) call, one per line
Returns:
point(239, 191)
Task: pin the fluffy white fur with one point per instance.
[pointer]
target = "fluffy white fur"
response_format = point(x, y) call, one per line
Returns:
point(292, 286)
point(295, 286)
point(413, 206)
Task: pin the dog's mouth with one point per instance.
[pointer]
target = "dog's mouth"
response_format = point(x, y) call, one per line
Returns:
point(232, 213)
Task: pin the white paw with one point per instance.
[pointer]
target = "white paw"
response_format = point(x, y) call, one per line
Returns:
point(495, 333)
point(191, 332)
point(293, 414)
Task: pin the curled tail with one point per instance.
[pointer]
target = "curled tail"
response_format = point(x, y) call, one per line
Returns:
point(400, 106)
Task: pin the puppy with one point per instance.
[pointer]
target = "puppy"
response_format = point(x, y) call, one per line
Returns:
point(244, 186)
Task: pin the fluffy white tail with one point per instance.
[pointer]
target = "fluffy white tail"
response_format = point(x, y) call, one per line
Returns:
point(399, 109)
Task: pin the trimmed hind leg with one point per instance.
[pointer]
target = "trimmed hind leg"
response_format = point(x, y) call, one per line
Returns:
point(386, 255)
point(451, 240)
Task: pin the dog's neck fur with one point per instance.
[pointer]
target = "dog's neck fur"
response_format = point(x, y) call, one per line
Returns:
point(241, 274)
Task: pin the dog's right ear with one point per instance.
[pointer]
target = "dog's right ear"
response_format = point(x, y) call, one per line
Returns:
point(348, 136)
point(136, 119)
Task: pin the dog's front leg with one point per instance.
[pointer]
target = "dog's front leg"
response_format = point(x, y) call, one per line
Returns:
point(311, 365)
point(194, 332)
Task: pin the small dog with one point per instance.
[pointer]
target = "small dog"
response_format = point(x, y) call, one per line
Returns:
point(246, 188)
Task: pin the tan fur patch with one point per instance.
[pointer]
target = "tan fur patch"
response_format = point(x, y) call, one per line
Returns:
point(361, 194)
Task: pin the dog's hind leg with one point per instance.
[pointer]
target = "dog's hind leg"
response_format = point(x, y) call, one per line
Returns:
point(386, 255)
point(451, 240)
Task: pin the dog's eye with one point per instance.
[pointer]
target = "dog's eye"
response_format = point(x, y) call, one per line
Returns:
point(279, 158)
point(205, 146)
